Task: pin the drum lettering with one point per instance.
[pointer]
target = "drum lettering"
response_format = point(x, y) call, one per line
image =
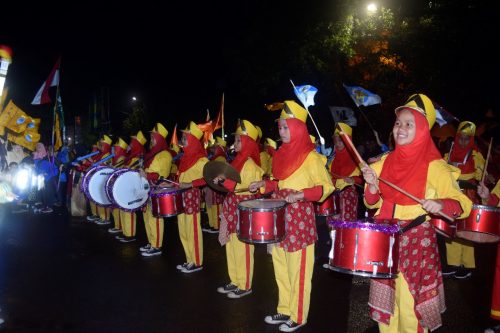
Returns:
point(134, 201)
point(375, 263)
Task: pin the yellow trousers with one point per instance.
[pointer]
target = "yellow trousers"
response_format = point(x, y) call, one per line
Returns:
point(104, 213)
point(129, 221)
point(93, 208)
point(459, 252)
point(191, 237)
point(239, 257)
point(154, 227)
point(116, 218)
point(213, 213)
point(293, 272)
point(404, 319)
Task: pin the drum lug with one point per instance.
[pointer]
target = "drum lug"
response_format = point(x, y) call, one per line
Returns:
point(332, 250)
point(238, 222)
point(391, 245)
point(250, 224)
point(478, 217)
point(275, 217)
point(355, 259)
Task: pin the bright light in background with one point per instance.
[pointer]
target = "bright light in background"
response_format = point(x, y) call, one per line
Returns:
point(134, 98)
point(21, 179)
point(371, 8)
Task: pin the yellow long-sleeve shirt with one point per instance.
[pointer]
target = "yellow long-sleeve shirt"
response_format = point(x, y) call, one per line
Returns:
point(194, 172)
point(250, 172)
point(441, 184)
point(478, 165)
point(162, 162)
point(265, 162)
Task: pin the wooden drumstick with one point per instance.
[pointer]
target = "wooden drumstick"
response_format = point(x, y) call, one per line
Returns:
point(487, 159)
point(420, 201)
point(170, 181)
point(340, 177)
point(246, 189)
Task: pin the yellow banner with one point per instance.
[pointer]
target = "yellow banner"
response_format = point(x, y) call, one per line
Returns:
point(14, 118)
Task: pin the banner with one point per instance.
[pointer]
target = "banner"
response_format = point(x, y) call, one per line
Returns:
point(14, 118)
point(342, 114)
point(361, 96)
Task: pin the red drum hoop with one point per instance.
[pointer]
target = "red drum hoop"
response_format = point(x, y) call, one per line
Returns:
point(482, 225)
point(261, 221)
point(167, 202)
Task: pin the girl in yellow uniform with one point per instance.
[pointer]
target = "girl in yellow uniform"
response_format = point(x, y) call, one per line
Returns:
point(157, 164)
point(191, 178)
point(414, 301)
point(300, 177)
point(117, 161)
point(214, 199)
point(104, 213)
point(239, 254)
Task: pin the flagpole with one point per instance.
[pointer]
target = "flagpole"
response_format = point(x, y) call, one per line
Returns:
point(321, 139)
point(222, 115)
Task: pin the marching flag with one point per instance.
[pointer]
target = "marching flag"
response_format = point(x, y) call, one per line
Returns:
point(58, 129)
point(361, 96)
point(13, 118)
point(42, 96)
point(174, 141)
point(219, 122)
point(305, 94)
point(342, 114)
point(443, 117)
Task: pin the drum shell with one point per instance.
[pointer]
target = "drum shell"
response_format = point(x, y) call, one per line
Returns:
point(329, 207)
point(86, 183)
point(118, 202)
point(167, 204)
point(444, 228)
point(481, 226)
point(358, 251)
point(261, 226)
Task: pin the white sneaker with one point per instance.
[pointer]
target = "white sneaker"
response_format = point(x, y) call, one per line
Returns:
point(239, 293)
point(145, 248)
point(290, 326)
point(191, 268)
point(181, 267)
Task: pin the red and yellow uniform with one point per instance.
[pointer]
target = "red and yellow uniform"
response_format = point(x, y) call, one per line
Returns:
point(300, 177)
point(191, 177)
point(266, 156)
point(214, 199)
point(494, 201)
point(105, 149)
point(414, 301)
point(117, 161)
point(157, 164)
point(239, 255)
point(465, 156)
point(345, 175)
point(135, 152)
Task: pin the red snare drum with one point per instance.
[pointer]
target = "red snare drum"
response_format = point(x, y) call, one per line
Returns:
point(482, 225)
point(364, 248)
point(166, 202)
point(261, 221)
point(443, 228)
point(329, 207)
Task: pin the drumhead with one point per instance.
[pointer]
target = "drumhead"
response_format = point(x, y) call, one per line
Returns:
point(262, 204)
point(95, 185)
point(130, 191)
point(159, 192)
point(380, 227)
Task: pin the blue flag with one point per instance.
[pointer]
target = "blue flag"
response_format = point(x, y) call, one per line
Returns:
point(361, 96)
point(305, 94)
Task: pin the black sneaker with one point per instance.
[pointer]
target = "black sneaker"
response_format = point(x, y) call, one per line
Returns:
point(450, 270)
point(213, 231)
point(181, 267)
point(153, 251)
point(495, 329)
point(145, 248)
point(290, 326)
point(227, 288)
point(278, 318)
point(120, 237)
point(463, 273)
point(205, 228)
point(239, 293)
point(126, 239)
point(191, 268)
point(92, 218)
point(114, 230)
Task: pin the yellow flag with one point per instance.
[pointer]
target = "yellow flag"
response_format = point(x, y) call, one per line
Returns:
point(57, 134)
point(27, 139)
point(14, 118)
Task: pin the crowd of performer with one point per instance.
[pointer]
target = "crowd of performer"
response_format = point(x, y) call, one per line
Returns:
point(408, 185)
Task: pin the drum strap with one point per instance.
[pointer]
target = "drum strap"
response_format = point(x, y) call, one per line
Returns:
point(415, 223)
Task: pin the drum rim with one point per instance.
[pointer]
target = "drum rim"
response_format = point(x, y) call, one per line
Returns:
point(175, 191)
point(486, 208)
point(86, 187)
point(262, 209)
point(251, 241)
point(363, 273)
point(115, 204)
point(331, 223)
point(457, 235)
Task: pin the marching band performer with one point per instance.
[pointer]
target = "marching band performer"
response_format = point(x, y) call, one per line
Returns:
point(300, 178)
point(414, 301)
point(465, 156)
point(104, 213)
point(345, 174)
point(135, 153)
point(214, 199)
point(191, 178)
point(239, 255)
point(157, 164)
point(82, 168)
point(120, 151)
point(266, 156)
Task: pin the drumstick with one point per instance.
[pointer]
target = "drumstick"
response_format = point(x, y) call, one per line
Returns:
point(246, 189)
point(171, 181)
point(420, 201)
point(340, 177)
point(487, 159)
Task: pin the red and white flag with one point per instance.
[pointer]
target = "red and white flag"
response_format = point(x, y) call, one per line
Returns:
point(42, 96)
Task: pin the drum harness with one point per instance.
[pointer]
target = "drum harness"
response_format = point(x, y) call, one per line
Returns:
point(415, 223)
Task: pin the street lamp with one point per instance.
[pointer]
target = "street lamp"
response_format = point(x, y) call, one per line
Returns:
point(371, 8)
point(134, 98)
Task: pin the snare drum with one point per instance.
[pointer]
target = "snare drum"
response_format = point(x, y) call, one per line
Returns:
point(127, 190)
point(329, 207)
point(443, 228)
point(482, 225)
point(364, 248)
point(261, 221)
point(166, 202)
point(93, 185)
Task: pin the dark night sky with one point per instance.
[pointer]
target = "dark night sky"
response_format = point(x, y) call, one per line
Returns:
point(172, 56)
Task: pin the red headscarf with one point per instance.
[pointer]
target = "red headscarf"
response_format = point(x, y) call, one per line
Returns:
point(344, 163)
point(289, 156)
point(119, 152)
point(161, 144)
point(192, 152)
point(219, 151)
point(458, 155)
point(136, 150)
point(270, 150)
point(249, 149)
point(407, 165)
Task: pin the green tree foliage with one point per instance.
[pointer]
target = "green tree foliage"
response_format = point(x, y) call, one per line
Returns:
point(138, 119)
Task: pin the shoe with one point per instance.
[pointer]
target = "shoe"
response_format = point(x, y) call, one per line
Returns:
point(145, 248)
point(114, 230)
point(102, 222)
point(213, 231)
point(151, 252)
point(205, 229)
point(191, 268)
point(290, 326)
point(181, 267)
point(463, 273)
point(495, 329)
point(227, 288)
point(239, 293)
point(92, 218)
point(46, 210)
point(278, 318)
point(126, 239)
point(450, 270)
point(120, 237)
